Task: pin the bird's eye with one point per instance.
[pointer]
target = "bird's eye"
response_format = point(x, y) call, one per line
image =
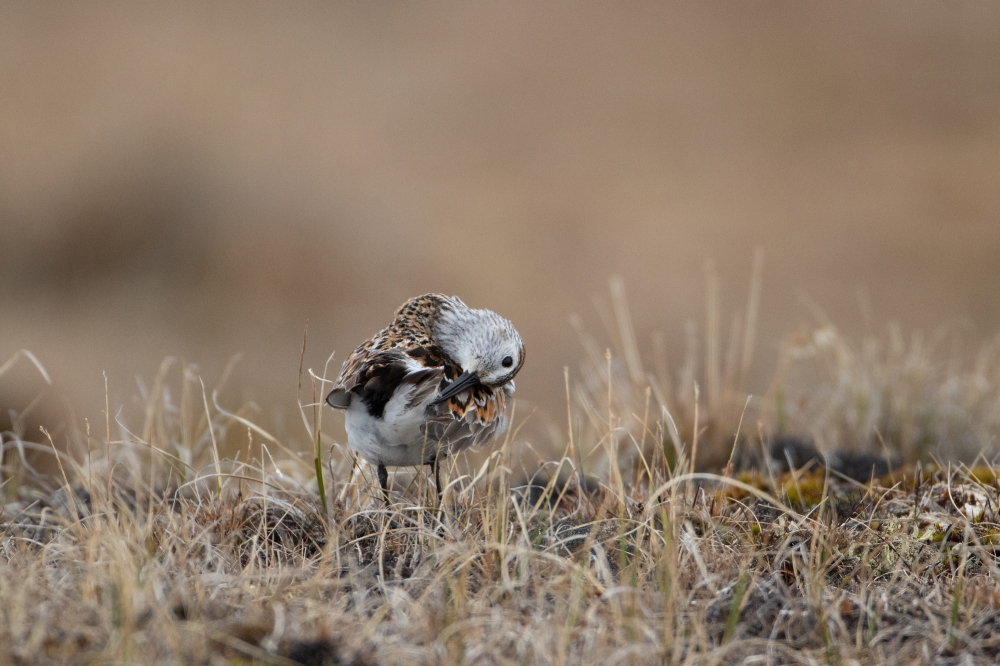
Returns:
point(507, 361)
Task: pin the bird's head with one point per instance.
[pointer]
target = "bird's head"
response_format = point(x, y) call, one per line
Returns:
point(482, 342)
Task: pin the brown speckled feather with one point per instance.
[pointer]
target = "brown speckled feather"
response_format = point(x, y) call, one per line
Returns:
point(471, 422)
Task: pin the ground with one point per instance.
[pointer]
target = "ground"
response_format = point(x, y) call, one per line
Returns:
point(150, 546)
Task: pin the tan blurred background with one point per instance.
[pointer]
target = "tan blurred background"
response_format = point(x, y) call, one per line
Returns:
point(199, 179)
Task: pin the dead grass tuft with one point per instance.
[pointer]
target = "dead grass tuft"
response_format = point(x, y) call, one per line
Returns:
point(150, 548)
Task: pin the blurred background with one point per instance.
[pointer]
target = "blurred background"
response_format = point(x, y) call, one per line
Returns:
point(198, 179)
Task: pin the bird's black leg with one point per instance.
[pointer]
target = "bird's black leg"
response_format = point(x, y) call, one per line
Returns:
point(383, 480)
point(437, 475)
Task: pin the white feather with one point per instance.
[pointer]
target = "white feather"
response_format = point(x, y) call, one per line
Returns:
point(396, 438)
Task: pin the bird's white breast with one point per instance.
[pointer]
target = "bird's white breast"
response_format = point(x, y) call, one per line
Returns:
point(396, 438)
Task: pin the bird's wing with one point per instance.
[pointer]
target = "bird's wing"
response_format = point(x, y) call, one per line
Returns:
point(469, 420)
point(373, 375)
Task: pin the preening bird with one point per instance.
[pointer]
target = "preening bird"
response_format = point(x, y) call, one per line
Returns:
point(434, 382)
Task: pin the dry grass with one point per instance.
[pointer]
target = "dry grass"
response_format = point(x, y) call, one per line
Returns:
point(149, 547)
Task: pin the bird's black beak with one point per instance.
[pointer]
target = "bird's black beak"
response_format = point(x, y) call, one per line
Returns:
point(464, 381)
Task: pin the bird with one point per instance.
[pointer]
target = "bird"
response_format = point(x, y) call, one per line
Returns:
point(436, 381)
